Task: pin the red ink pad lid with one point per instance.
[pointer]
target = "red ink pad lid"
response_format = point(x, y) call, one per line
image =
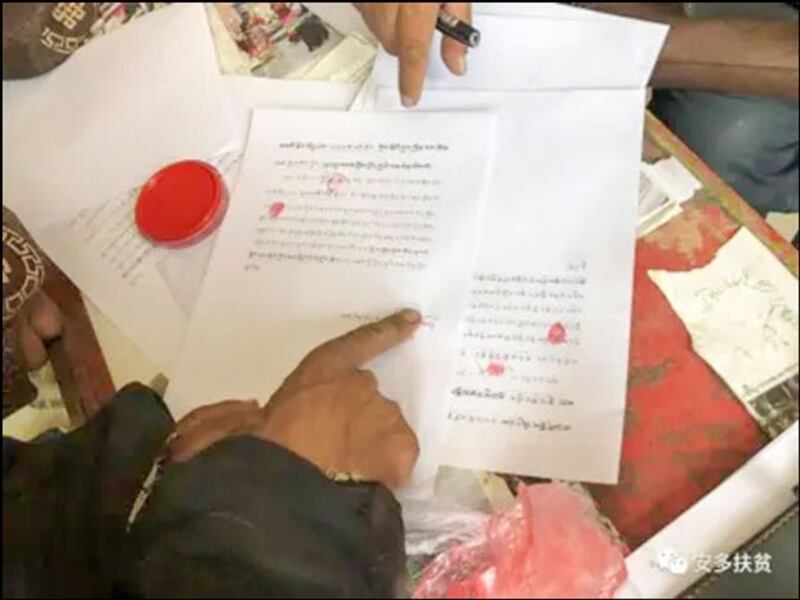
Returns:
point(181, 204)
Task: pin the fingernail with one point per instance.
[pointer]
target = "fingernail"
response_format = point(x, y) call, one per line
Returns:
point(411, 316)
point(408, 101)
point(461, 65)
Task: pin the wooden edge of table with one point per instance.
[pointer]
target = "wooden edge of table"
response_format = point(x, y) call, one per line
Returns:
point(724, 195)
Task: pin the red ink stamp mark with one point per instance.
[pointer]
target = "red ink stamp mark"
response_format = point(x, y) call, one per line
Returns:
point(557, 334)
point(336, 183)
point(495, 369)
point(275, 209)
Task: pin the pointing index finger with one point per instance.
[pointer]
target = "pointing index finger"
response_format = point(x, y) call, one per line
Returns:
point(360, 345)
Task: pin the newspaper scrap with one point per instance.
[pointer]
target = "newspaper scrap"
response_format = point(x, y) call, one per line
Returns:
point(741, 311)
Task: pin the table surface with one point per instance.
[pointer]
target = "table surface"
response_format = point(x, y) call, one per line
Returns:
point(685, 431)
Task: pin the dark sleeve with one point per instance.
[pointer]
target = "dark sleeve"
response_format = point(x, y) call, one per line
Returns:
point(247, 518)
point(66, 498)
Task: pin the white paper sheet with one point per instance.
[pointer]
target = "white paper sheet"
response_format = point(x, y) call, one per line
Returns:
point(663, 188)
point(540, 10)
point(544, 54)
point(549, 10)
point(570, 240)
point(741, 311)
point(652, 196)
point(103, 252)
point(671, 176)
point(343, 17)
point(114, 113)
point(319, 240)
point(346, 19)
point(521, 50)
point(541, 381)
point(350, 61)
point(655, 206)
point(146, 291)
point(249, 93)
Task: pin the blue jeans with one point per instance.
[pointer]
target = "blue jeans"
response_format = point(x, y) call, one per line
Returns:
point(751, 142)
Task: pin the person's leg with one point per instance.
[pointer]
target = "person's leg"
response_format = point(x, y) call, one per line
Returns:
point(752, 143)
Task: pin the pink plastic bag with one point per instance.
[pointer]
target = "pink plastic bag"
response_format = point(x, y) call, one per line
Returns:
point(550, 544)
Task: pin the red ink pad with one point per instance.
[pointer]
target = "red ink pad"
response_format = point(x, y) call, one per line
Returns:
point(275, 209)
point(496, 369)
point(557, 334)
point(181, 204)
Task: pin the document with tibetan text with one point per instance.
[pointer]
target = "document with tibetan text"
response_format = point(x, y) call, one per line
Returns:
point(339, 219)
point(540, 379)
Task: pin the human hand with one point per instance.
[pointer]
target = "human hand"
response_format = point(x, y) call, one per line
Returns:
point(38, 324)
point(405, 30)
point(327, 411)
point(30, 317)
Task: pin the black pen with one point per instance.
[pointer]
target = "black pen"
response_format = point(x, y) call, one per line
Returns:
point(455, 28)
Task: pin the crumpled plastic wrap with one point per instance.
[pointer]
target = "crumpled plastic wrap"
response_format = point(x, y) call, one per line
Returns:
point(549, 544)
point(436, 526)
point(457, 510)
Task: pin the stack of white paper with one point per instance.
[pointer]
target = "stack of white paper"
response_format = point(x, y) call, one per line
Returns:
point(539, 381)
point(539, 385)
